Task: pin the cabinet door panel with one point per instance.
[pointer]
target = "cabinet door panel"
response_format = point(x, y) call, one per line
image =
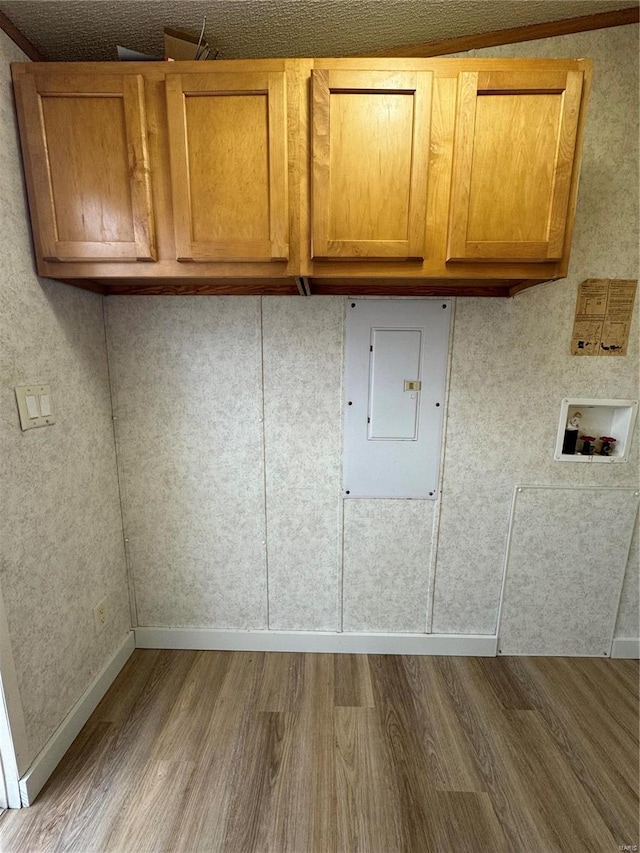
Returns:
point(228, 166)
point(370, 154)
point(86, 142)
point(513, 160)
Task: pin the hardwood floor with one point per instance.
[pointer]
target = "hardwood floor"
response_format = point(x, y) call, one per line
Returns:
point(308, 753)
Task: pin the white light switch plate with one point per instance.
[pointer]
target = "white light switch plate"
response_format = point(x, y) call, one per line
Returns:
point(35, 406)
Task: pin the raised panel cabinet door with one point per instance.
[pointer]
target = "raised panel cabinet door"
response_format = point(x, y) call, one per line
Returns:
point(370, 157)
point(227, 142)
point(86, 150)
point(515, 141)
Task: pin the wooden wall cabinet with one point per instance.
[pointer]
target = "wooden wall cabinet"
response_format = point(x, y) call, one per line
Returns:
point(227, 142)
point(370, 138)
point(381, 176)
point(195, 157)
point(498, 145)
point(85, 140)
point(515, 142)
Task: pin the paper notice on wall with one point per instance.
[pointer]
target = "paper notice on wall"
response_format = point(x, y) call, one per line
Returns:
point(604, 310)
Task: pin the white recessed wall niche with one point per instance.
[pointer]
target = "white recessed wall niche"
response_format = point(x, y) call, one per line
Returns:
point(598, 420)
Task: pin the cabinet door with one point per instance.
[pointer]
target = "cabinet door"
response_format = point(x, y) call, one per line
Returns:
point(370, 155)
point(86, 150)
point(227, 139)
point(514, 151)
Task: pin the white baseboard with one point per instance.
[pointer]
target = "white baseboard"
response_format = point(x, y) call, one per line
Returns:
point(49, 756)
point(625, 647)
point(481, 645)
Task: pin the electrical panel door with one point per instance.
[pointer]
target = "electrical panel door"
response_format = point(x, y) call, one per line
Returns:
point(395, 377)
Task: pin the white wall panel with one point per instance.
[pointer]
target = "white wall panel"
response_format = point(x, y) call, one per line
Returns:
point(474, 523)
point(387, 548)
point(186, 379)
point(60, 527)
point(567, 555)
point(511, 364)
point(302, 349)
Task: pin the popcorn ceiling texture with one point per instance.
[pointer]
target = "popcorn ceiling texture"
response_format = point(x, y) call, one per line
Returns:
point(60, 525)
point(244, 29)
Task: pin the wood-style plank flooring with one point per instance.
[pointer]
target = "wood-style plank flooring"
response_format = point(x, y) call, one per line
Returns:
point(305, 753)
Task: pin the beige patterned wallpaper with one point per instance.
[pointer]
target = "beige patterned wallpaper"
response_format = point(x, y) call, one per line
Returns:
point(60, 525)
point(302, 362)
point(186, 379)
point(511, 364)
point(192, 379)
point(568, 550)
point(387, 549)
point(196, 555)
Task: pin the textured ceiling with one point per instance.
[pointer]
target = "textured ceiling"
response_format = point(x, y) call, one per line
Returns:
point(90, 29)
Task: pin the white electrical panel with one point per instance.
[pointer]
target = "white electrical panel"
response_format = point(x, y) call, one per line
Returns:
point(35, 406)
point(395, 355)
point(395, 376)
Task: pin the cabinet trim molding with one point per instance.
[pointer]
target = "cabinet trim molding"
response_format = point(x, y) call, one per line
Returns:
point(514, 35)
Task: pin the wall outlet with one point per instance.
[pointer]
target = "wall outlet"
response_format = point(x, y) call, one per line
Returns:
point(100, 616)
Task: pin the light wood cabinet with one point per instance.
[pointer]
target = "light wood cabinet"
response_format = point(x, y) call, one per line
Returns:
point(515, 141)
point(88, 166)
point(380, 176)
point(370, 143)
point(227, 142)
point(500, 152)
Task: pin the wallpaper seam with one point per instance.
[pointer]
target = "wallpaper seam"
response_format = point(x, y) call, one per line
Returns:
point(111, 379)
point(505, 564)
point(620, 601)
point(341, 502)
point(341, 567)
point(264, 465)
point(431, 568)
point(435, 529)
point(622, 579)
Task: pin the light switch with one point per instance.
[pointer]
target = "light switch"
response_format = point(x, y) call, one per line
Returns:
point(35, 405)
point(45, 405)
point(32, 406)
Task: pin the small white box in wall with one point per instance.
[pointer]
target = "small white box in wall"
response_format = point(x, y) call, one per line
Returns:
point(597, 419)
point(35, 405)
